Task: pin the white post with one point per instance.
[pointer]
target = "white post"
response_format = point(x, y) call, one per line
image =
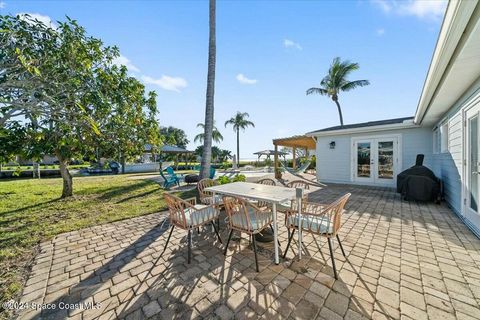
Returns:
point(275, 232)
point(299, 194)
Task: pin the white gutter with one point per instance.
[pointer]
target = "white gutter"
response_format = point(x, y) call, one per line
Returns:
point(456, 18)
point(385, 127)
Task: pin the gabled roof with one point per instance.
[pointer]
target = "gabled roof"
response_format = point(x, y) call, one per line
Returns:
point(404, 120)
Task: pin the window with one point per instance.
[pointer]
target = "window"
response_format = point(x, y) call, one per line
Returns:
point(444, 137)
point(436, 141)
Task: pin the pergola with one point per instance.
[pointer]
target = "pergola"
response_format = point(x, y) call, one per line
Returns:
point(269, 153)
point(294, 142)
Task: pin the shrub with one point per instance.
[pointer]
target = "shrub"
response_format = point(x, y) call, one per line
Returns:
point(239, 178)
point(224, 180)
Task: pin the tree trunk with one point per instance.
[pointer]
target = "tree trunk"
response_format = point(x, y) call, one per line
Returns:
point(66, 176)
point(335, 99)
point(238, 147)
point(209, 108)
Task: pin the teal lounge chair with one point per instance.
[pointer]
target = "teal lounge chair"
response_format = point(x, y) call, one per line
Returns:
point(212, 171)
point(171, 178)
point(300, 169)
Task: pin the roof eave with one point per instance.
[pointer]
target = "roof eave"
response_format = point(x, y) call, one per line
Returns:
point(385, 127)
point(456, 18)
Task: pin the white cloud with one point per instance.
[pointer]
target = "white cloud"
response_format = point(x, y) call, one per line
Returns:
point(422, 9)
point(242, 79)
point(46, 20)
point(287, 43)
point(380, 32)
point(2, 4)
point(167, 82)
point(385, 5)
point(122, 60)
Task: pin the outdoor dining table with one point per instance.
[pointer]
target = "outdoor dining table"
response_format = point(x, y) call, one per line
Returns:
point(273, 194)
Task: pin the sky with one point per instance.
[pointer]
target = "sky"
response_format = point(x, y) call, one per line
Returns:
point(268, 54)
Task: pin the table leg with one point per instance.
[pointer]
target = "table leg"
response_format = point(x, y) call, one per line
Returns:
point(275, 232)
point(299, 201)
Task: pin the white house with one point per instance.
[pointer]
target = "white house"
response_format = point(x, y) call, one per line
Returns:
point(445, 127)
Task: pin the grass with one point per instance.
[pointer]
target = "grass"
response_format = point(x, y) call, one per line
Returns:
point(32, 212)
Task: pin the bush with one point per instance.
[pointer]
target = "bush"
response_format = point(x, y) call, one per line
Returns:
point(239, 178)
point(224, 180)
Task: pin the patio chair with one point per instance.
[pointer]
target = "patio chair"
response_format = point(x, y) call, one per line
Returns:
point(169, 180)
point(206, 197)
point(172, 173)
point(262, 204)
point(320, 219)
point(248, 218)
point(187, 215)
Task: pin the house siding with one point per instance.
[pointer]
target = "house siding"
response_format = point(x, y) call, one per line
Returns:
point(334, 165)
point(448, 165)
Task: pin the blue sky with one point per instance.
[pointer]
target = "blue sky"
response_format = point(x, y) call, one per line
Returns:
point(268, 54)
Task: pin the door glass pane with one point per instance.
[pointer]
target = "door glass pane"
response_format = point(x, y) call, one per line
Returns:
point(474, 162)
point(385, 160)
point(363, 159)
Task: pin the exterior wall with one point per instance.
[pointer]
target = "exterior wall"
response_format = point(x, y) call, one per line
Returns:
point(448, 166)
point(334, 165)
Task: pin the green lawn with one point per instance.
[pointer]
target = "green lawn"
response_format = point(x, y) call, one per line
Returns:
point(31, 212)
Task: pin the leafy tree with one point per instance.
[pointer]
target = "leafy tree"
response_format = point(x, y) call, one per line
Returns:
point(216, 135)
point(174, 136)
point(337, 81)
point(12, 139)
point(239, 121)
point(209, 105)
point(77, 100)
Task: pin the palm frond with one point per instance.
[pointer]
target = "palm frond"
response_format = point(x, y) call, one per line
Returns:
point(350, 85)
point(320, 91)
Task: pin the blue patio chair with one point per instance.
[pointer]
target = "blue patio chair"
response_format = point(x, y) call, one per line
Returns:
point(169, 180)
point(172, 173)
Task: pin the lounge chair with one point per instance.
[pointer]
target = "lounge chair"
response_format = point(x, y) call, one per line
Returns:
point(321, 219)
point(187, 215)
point(169, 180)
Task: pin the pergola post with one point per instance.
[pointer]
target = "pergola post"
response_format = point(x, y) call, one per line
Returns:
point(294, 151)
point(275, 160)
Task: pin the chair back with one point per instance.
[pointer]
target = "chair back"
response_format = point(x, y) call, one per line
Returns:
point(240, 214)
point(176, 209)
point(298, 184)
point(202, 185)
point(330, 216)
point(267, 181)
point(171, 172)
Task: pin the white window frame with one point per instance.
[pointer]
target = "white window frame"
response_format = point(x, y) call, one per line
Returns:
point(436, 140)
point(444, 138)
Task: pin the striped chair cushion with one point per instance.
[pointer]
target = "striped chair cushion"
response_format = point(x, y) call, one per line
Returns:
point(317, 224)
point(264, 218)
point(200, 215)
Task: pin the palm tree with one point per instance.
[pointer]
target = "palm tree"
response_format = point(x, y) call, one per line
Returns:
point(216, 135)
point(239, 121)
point(209, 105)
point(336, 81)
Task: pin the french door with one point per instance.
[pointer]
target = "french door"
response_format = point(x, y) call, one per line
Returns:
point(375, 160)
point(472, 162)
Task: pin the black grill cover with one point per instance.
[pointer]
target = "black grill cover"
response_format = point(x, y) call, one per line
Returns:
point(419, 183)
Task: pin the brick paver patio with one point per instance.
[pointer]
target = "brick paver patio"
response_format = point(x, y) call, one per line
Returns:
point(404, 261)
